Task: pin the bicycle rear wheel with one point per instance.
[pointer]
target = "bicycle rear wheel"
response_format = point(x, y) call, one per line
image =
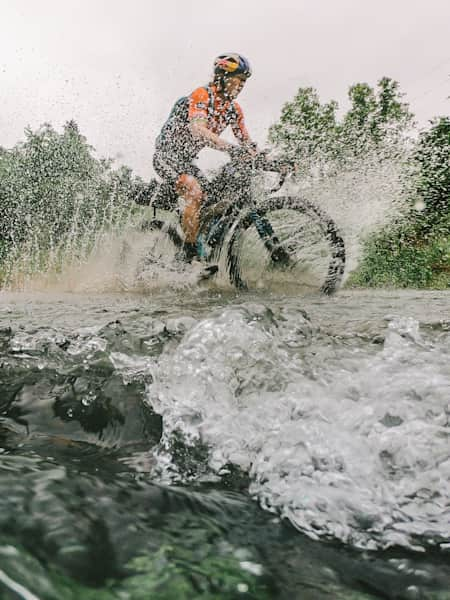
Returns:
point(286, 240)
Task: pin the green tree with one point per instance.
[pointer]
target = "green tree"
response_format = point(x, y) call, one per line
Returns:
point(42, 179)
point(356, 124)
point(377, 119)
point(55, 192)
point(433, 157)
point(307, 130)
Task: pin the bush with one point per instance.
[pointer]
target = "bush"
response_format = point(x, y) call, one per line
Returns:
point(402, 256)
point(433, 157)
point(55, 195)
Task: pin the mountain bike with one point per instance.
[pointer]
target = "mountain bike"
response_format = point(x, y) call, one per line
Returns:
point(259, 232)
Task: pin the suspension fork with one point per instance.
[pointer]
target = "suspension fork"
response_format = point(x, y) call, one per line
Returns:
point(216, 231)
point(268, 237)
point(264, 229)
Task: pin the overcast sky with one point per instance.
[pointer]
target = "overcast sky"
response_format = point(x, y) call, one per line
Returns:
point(117, 67)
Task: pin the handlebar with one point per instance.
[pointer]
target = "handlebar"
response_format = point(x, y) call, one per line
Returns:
point(143, 193)
point(240, 155)
point(244, 160)
point(281, 166)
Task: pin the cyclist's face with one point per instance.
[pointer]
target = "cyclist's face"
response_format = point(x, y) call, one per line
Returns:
point(234, 85)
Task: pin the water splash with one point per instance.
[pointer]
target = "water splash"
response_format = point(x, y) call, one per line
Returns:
point(125, 260)
point(348, 440)
point(361, 199)
point(105, 252)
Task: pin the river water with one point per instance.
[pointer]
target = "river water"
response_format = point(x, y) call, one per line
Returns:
point(198, 443)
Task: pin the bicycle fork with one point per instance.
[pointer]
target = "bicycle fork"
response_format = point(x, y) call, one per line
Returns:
point(269, 239)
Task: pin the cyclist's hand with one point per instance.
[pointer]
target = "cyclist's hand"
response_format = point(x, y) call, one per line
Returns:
point(288, 166)
point(251, 148)
point(285, 169)
point(295, 168)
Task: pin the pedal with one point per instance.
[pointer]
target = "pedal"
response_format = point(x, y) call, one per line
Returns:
point(208, 272)
point(280, 257)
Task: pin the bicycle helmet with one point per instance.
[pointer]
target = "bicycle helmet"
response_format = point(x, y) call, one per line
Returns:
point(229, 65)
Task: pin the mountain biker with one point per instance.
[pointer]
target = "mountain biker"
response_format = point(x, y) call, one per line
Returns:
point(196, 122)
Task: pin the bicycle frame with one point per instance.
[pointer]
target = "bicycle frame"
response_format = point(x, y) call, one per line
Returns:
point(230, 208)
point(233, 187)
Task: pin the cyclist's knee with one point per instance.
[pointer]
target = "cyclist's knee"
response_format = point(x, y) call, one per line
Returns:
point(189, 187)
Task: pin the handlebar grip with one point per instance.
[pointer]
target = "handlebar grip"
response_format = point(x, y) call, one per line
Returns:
point(275, 165)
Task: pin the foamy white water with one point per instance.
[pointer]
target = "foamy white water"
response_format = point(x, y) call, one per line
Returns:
point(346, 437)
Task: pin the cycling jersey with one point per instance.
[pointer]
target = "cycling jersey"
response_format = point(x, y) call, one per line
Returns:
point(202, 104)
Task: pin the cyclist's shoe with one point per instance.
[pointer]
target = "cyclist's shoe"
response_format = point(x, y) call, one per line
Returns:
point(280, 257)
point(194, 251)
point(202, 248)
point(208, 272)
point(189, 252)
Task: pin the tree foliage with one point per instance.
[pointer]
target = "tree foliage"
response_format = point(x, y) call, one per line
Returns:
point(310, 132)
point(433, 157)
point(307, 130)
point(415, 252)
point(52, 187)
point(377, 118)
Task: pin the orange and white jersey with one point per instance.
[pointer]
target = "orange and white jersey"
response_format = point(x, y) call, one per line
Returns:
point(202, 104)
point(206, 105)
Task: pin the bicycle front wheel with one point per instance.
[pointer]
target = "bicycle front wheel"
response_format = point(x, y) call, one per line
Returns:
point(286, 240)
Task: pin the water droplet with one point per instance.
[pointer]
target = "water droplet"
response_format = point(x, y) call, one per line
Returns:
point(419, 205)
point(251, 567)
point(413, 592)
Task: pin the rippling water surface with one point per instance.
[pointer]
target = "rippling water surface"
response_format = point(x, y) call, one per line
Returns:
point(202, 444)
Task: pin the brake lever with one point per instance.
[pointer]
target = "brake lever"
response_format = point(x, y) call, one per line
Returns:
point(280, 183)
point(277, 166)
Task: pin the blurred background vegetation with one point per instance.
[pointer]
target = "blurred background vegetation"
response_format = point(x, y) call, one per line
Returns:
point(56, 195)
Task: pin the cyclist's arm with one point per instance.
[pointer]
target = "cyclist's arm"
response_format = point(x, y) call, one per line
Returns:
point(240, 130)
point(199, 129)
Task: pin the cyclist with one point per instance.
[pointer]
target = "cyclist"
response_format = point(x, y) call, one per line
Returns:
point(196, 122)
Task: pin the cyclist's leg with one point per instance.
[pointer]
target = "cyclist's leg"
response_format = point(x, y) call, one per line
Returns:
point(192, 186)
point(188, 182)
point(166, 166)
point(188, 187)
